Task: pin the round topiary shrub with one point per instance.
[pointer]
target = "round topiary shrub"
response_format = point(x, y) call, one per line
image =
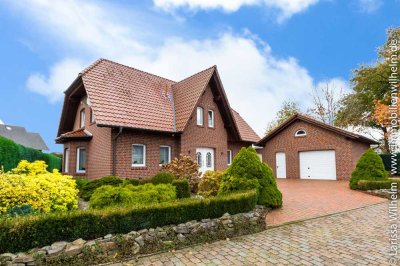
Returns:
point(248, 172)
point(210, 183)
point(163, 178)
point(369, 167)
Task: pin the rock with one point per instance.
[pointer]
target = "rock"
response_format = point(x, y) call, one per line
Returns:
point(162, 234)
point(225, 222)
point(135, 248)
point(52, 252)
point(7, 257)
point(133, 233)
point(90, 243)
point(79, 241)
point(59, 244)
point(108, 246)
point(140, 241)
point(109, 236)
point(143, 231)
point(73, 250)
point(181, 238)
point(181, 229)
point(23, 258)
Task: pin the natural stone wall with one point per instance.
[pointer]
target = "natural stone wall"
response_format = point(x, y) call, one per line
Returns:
point(117, 247)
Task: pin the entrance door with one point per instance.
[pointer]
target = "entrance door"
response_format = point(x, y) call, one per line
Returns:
point(205, 159)
point(318, 165)
point(280, 165)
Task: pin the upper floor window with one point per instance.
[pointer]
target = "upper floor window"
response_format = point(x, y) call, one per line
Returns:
point(165, 154)
point(138, 155)
point(200, 116)
point(210, 118)
point(300, 133)
point(229, 155)
point(82, 118)
point(81, 160)
point(91, 116)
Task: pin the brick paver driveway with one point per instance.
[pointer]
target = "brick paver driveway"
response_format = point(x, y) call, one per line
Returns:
point(356, 237)
point(304, 199)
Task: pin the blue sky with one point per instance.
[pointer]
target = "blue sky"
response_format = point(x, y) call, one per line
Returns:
point(267, 51)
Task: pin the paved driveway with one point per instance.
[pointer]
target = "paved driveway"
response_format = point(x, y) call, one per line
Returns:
point(356, 237)
point(304, 199)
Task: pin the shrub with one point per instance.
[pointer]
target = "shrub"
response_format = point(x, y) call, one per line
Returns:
point(162, 178)
point(184, 167)
point(81, 182)
point(22, 210)
point(22, 233)
point(248, 172)
point(12, 153)
point(210, 183)
point(89, 188)
point(107, 195)
point(373, 184)
point(369, 167)
point(182, 188)
point(388, 160)
point(30, 184)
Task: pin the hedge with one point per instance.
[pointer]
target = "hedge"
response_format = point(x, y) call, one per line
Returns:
point(373, 185)
point(12, 153)
point(387, 161)
point(23, 233)
point(182, 188)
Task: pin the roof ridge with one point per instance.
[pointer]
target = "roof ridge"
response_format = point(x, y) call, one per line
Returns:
point(116, 63)
point(201, 71)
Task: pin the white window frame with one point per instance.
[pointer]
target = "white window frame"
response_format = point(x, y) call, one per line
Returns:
point(200, 116)
point(92, 119)
point(144, 156)
point(66, 160)
point(212, 118)
point(169, 153)
point(230, 156)
point(78, 171)
point(82, 117)
point(297, 134)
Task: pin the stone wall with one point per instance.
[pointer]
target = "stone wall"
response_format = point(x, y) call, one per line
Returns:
point(118, 247)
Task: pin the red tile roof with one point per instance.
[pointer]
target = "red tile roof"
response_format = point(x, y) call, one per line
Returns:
point(76, 134)
point(245, 131)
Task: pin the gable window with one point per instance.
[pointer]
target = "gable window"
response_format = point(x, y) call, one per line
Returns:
point(165, 154)
point(300, 133)
point(199, 159)
point(82, 118)
point(91, 116)
point(229, 155)
point(66, 160)
point(81, 160)
point(138, 155)
point(210, 118)
point(199, 116)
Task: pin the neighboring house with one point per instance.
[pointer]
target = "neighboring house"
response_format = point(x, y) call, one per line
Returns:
point(21, 136)
point(117, 120)
point(305, 148)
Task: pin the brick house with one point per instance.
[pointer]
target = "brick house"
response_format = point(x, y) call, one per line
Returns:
point(117, 120)
point(304, 148)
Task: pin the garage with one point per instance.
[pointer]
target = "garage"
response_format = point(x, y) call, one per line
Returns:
point(318, 165)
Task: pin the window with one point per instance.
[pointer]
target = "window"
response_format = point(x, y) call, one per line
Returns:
point(300, 133)
point(210, 118)
point(66, 160)
point(199, 159)
point(91, 116)
point(138, 155)
point(82, 121)
point(81, 161)
point(229, 154)
point(260, 156)
point(208, 159)
point(165, 154)
point(199, 116)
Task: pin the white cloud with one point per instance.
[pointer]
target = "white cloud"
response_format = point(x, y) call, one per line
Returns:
point(286, 8)
point(369, 6)
point(256, 81)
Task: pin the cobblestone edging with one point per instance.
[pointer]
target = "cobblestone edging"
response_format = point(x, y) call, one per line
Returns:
point(116, 247)
point(383, 193)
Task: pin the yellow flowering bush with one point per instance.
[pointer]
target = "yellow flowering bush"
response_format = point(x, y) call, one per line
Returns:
point(31, 184)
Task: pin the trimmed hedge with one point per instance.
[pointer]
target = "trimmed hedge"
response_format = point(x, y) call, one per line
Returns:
point(12, 153)
point(182, 188)
point(88, 189)
point(373, 185)
point(387, 162)
point(162, 178)
point(23, 233)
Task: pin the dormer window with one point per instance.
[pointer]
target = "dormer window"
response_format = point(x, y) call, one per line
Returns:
point(199, 116)
point(300, 133)
point(82, 120)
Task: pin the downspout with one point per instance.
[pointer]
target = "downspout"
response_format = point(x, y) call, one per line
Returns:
point(114, 151)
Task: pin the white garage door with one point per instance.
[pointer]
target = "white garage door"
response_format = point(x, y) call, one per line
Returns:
point(318, 165)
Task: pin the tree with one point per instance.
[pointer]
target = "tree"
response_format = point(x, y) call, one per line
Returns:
point(373, 92)
point(288, 109)
point(326, 103)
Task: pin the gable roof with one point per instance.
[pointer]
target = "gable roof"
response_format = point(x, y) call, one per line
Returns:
point(245, 131)
point(307, 119)
point(122, 96)
point(80, 134)
point(21, 136)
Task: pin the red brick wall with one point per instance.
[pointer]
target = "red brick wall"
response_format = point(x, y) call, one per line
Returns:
point(153, 141)
point(317, 139)
point(216, 138)
point(73, 146)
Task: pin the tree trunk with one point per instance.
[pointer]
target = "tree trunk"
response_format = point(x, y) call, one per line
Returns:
point(386, 146)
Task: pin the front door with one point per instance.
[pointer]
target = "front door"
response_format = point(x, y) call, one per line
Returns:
point(280, 165)
point(205, 159)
